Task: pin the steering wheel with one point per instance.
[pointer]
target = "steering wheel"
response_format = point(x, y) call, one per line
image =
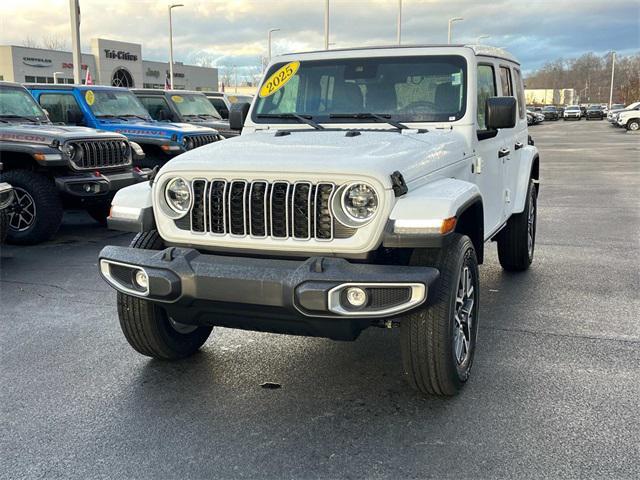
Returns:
point(423, 105)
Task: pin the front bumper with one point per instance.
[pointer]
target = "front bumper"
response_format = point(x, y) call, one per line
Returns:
point(305, 297)
point(100, 184)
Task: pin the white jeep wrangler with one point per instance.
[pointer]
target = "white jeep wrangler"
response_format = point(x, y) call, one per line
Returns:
point(361, 193)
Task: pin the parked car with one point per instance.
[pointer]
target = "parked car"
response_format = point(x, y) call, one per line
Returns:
point(560, 111)
point(223, 101)
point(52, 167)
point(550, 113)
point(612, 116)
point(572, 112)
point(183, 106)
point(595, 112)
point(538, 117)
point(630, 117)
point(324, 218)
point(531, 119)
point(583, 110)
point(6, 199)
point(115, 109)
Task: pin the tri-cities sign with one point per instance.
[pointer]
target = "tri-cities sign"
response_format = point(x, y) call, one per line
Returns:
point(120, 55)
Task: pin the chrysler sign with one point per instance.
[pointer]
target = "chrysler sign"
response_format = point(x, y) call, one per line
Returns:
point(36, 62)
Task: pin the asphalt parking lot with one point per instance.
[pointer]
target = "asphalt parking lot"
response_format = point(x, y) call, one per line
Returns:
point(554, 391)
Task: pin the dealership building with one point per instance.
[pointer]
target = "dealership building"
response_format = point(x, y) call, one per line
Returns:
point(110, 63)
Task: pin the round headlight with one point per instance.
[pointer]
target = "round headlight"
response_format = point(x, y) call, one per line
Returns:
point(69, 150)
point(360, 202)
point(178, 195)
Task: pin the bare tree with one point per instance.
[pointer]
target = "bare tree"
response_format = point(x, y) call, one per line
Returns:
point(55, 42)
point(30, 42)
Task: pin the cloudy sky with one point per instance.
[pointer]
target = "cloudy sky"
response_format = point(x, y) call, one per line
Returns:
point(228, 32)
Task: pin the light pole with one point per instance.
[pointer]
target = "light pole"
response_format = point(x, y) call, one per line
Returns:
point(613, 70)
point(269, 43)
point(451, 20)
point(55, 76)
point(399, 21)
point(326, 24)
point(74, 9)
point(479, 39)
point(172, 6)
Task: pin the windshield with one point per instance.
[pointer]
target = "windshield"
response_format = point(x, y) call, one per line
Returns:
point(194, 104)
point(407, 89)
point(595, 107)
point(632, 106)
point(573, 107)
point(18, 103)
point(617, 106)
point(549, 109)
point(115, 103)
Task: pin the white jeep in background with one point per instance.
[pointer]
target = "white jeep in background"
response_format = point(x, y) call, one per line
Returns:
point(361, 192)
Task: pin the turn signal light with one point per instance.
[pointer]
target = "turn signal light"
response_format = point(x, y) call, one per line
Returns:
point(448, 224)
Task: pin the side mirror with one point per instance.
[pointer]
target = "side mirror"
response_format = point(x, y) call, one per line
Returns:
point(500, 112)
point(238, 114)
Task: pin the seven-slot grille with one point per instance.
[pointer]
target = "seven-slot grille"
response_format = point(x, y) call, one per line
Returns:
point(263, 209)
point(94, 154)
point(195, 141)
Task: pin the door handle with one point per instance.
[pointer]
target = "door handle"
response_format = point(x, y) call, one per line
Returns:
point(518, 145)
point(503, 152)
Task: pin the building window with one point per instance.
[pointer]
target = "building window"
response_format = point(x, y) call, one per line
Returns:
point(30, 79)
point(122, 78)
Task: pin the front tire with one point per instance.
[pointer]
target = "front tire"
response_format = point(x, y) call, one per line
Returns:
point(633, 125)
point(517, 242)
point(438, 341)
point(148, 328)
point(36, 212)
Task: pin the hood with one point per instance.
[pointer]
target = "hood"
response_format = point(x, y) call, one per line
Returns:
point(46, 133)
point(156, 129)
point(330, 152)
point(220, 124)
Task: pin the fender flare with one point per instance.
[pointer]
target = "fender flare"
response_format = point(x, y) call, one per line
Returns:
point(132, 209)
point(529, 168)
point(412, 222)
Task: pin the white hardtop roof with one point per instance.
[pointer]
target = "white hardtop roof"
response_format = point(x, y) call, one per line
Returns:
point(404, 50)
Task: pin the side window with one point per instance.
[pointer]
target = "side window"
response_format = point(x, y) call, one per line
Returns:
point(519, 91)
point(62, 108)
point(486, 89)
point(157, 108)
point(505, 80)
point(220, 106)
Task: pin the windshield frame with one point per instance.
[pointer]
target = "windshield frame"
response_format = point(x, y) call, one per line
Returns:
point(104, 115)
point(42, 117)
point(455, 58)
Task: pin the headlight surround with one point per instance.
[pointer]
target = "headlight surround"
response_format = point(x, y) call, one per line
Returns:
point(356, 205)
point(69, 150)
point(177, 196)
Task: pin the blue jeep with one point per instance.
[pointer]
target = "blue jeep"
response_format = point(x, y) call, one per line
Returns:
point(118, 110)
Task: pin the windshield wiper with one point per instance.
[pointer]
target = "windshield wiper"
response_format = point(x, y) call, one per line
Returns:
point(383, 117)
point(134, 115)
point(21, 117)
point(301, 118)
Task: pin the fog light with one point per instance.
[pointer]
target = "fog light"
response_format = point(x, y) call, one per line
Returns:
point(142, 280)
point(356, 296)
point(87, 187)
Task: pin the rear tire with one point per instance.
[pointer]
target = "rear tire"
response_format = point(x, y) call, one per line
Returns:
point(633, 125)
point(36, 213)
point(148, 328)
point(438, 341)
point(516, 243)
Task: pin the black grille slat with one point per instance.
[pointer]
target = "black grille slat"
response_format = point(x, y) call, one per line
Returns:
point(323, 218)
point(279, 210)
point(98, 154)
point(301, 210)
point(198, 209)
point(217, 207)
point(257, 209)
point(236, 209)
point(200, 140)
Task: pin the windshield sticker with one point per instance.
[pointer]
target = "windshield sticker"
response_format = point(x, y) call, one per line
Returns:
point(177, 98)
point(279, 79)
point(89, 97)
point(456, 78)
